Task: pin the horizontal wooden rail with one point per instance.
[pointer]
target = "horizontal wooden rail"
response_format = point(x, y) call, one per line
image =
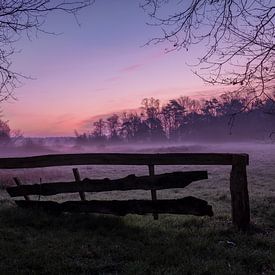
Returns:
point(187, 205)
point(122, 159)
point(131, 182)
point(238, 175)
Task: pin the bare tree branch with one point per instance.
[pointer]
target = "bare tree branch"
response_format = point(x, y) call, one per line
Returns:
point(238, 37)
point(24, 17)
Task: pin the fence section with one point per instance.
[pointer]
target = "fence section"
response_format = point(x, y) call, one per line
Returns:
point(238, 176)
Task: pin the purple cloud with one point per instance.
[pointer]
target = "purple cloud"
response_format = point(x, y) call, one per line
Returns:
point(131, 68)
point(112, 79)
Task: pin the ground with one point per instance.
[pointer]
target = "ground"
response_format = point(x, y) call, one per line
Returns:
point(35, 242)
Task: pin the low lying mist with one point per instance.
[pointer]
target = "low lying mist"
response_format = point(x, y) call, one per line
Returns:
point(44, 146)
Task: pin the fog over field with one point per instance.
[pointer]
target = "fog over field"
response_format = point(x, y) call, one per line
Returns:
point(201, 242)
point(44, 146)
point(139, 83)
point(261, 169)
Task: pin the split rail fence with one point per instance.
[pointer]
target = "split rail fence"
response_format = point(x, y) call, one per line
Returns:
point(187, 205)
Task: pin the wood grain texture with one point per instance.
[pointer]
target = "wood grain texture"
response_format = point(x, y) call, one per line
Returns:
point(239, 195)
point(131, 182)
point(122, 159)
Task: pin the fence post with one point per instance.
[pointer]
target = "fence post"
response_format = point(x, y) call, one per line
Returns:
point(153, 192)
point(18, 182)
point(78, 179)
point(239, 194)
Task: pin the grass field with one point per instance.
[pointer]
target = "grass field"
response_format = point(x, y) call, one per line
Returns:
point(39, 243)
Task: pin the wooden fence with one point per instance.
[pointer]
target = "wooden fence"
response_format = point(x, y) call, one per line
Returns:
point(238, 182)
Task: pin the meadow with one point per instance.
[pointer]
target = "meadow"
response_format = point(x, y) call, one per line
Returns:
point(39, 243)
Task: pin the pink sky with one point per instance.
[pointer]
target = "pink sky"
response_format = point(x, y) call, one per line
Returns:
point(98, 68)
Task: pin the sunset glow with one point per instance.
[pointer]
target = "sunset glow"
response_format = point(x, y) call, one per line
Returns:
point(97, 68)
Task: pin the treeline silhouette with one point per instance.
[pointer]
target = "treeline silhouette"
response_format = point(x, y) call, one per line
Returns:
point(229, 117)
point(9, 137)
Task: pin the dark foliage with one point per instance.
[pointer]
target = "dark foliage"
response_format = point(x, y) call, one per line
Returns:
point(5, 132)
point(228, 117)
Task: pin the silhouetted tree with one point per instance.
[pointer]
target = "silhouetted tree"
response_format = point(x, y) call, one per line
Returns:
point(156, 132)
point(98, 133)
point(151, 106)
point(190, 105)
point(22, 18)
point(113, 127)
point(186, 119)
point(134, 129)
point(268, 106)
point(5, 133)
point(173, 118)
point(230, 103)
point(209, 108)
point(237, 35)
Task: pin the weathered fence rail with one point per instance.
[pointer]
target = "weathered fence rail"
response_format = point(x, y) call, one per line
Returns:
point(187, 205)
point(123, 159)
point(238, 178)
point(131, 182)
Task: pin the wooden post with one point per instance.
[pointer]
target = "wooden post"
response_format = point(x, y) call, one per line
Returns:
point(239, 194)
point(18, 182)
point(153, 191)
point(78, 179)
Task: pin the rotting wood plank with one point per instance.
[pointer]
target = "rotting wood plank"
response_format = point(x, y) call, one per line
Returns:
point(121, 159)
point(131, 182)
point(188, 206)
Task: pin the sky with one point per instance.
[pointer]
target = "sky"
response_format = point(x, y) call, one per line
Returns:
point(98, 67)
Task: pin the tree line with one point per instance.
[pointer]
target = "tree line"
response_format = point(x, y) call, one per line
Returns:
point(229, 116)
